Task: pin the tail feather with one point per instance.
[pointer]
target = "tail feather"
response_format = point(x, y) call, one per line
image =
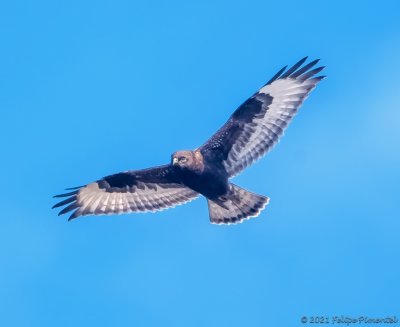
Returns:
point(238, 205)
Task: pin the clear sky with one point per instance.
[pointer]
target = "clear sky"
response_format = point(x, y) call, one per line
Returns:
point(90, 88)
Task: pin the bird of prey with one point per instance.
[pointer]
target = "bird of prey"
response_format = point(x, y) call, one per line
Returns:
point(249, 133)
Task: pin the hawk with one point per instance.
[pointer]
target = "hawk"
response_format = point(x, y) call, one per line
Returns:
point(249, 133)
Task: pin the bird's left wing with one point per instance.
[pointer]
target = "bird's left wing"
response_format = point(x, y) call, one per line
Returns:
point(260, 121)
point(150, 189)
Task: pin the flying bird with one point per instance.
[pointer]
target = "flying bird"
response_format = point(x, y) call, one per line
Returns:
point(249, 133)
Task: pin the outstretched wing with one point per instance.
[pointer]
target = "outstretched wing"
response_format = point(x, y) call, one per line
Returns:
point(131, 191)
point(259, 122)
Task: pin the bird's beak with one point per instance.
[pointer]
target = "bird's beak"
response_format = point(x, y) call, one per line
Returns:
point(174, 161)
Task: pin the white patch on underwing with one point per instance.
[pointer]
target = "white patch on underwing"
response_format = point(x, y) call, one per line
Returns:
point(287, 96)
point(92, 199)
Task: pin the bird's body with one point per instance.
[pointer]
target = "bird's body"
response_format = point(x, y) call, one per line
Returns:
point(250, 133)
point(210, 180)
point(207, 183)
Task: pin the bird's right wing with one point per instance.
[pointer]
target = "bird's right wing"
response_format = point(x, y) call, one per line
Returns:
point(151, 189)
point(260, 121)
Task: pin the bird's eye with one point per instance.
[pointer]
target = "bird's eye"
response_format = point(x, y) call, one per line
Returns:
point(182, 159)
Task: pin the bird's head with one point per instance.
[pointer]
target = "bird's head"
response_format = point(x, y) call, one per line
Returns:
point(182, 159)
point(191, 160)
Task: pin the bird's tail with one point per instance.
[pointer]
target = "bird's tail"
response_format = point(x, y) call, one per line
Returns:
point(236, 206)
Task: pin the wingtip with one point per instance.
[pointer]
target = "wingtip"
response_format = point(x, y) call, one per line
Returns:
point(277, 75)
point(74, 215)
point(303, 59)
point(65, 194)
point(316, 61)
point(74, 188)
point(301, 62)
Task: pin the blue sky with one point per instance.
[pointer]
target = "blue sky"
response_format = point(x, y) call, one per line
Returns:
point(91, 88)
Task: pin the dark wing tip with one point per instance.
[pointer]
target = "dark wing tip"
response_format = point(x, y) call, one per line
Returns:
point(277, 75)
point(74, 188)
point(64, 202)
point(65, 194)
point(294, 67)
point(310, 73)
point(304, 69)
point(72, 206)
point(74, 215)
point(298, 72)
point(70, 202)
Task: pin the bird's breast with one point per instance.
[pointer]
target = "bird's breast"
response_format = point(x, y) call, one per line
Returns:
point(210, 184)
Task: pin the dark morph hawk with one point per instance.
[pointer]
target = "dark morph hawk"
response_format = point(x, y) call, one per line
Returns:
point(249, 133)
